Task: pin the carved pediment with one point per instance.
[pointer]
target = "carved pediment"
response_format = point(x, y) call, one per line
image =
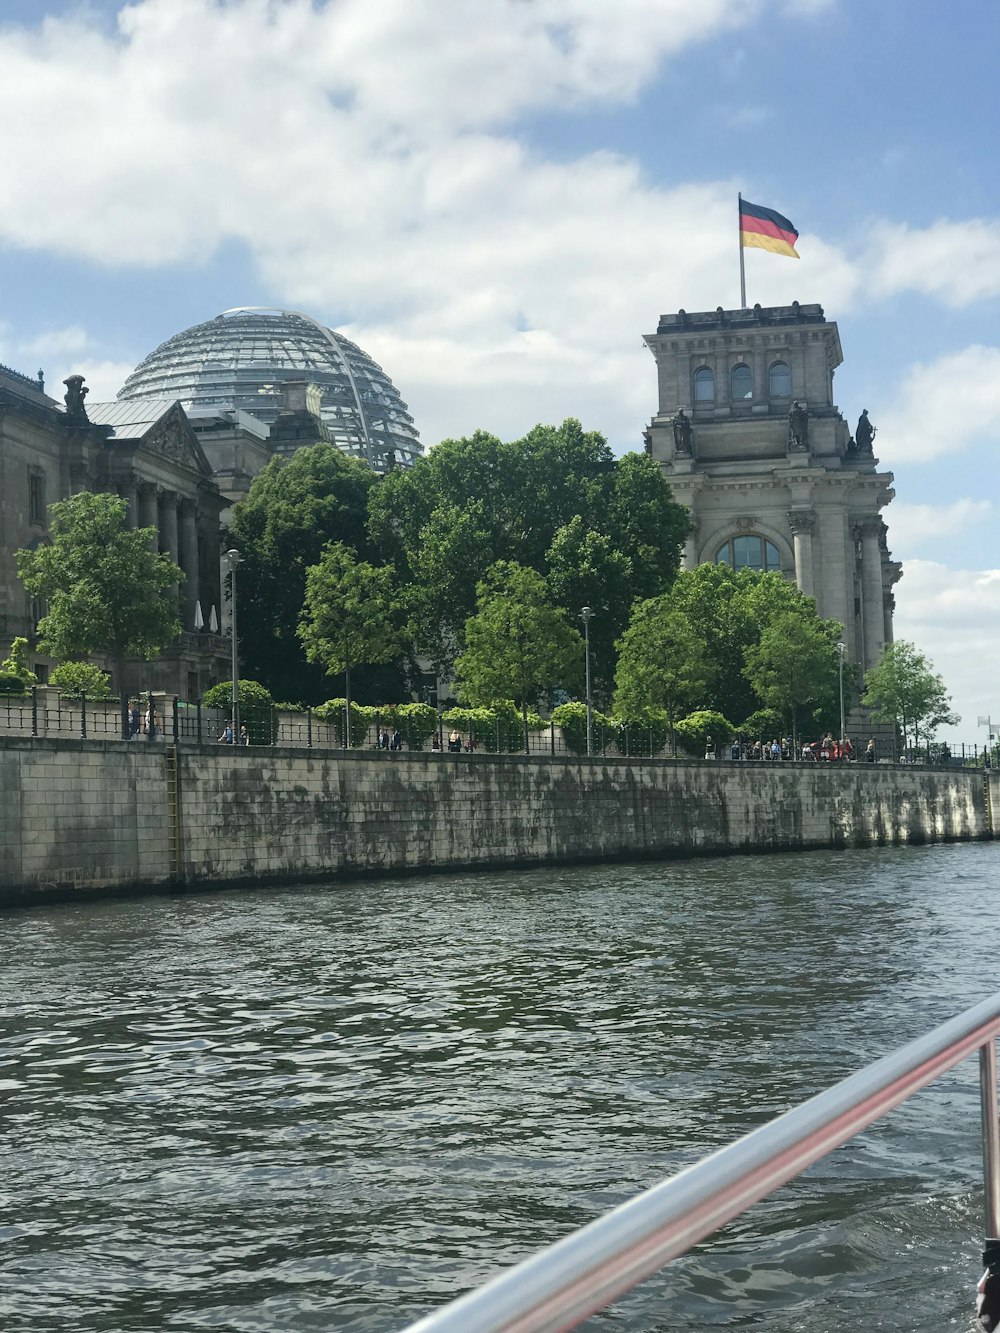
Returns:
point(172, 438)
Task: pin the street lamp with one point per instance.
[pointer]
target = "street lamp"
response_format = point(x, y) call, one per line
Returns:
point(841, 654)
point(233, 562)
point(585, 616)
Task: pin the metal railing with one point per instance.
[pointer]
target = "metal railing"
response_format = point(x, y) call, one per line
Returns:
point(561, 1286)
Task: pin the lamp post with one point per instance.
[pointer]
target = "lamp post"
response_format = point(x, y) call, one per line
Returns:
point(233, 562)
point(841, 654)
point(585, 616)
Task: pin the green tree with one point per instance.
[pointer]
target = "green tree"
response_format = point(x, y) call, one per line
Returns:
point(903, 688)
point(585, 569)
point(294, 508)
point(473, 502)
point(351, 615)
point(517, 644)
point(107, 591)
point(663, 663)
point(794, 665)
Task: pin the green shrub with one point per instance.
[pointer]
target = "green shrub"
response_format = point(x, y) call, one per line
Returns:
point(571, 718)
point(765, 725)
point(644, 735)
point(694, 730)
point(497, 728)
point(256, 707)
point(332, 712)
point(16, 664)
point(417, 722)
point(76, 678)
point(11, 684)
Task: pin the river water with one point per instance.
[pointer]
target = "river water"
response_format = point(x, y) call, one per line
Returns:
point(333, 1108)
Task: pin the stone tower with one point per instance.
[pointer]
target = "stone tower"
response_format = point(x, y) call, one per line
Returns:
point(749, 437)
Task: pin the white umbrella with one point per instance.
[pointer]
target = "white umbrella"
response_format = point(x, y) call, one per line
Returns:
point(213, 621)
point(199, 619)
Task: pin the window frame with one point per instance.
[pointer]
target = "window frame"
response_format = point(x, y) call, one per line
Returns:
point(703, 375)
point(770, 380)
point(766, 545)
point(743, 397)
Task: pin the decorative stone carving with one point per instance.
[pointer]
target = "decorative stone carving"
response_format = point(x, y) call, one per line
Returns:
point(798, 426)
point(683, 443)
point(802, 521)
point(745, 523)
point(865, 433)
point(76, 392)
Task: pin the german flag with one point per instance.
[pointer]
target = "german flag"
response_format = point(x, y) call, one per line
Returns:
point(767, 230)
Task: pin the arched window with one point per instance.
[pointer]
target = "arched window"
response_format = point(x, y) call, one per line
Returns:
point(740, 383)
point(704, 386)
point(779, 381)
point(749, 553)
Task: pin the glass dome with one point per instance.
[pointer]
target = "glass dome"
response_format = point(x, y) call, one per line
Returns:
point(241, 359)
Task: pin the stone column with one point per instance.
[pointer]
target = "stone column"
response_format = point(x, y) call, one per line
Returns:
point(690, 557)
point(148, 515)
point(803, 523)
point(191, 587)
point(128, 490)
point(873, 610)
point(168, 523)
point(888, 608)
point(833, 565)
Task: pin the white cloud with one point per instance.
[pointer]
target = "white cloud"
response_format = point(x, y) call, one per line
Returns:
point(953, 615)
point(942, 407)
point(910, 525)
point(955, 262)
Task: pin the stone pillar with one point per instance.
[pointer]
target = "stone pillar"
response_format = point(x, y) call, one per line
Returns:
point(191, 587)
point(148, 515)
point(803, 523)
point(168, 523)
point(690, 557)
point(128, 490)
point(888, 608)
point(873, 609)
point(833, 564)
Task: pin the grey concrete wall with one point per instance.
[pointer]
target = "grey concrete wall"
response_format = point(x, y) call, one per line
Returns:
point(77, 816)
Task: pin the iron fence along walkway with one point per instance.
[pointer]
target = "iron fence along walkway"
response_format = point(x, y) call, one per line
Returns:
point(561, 1286)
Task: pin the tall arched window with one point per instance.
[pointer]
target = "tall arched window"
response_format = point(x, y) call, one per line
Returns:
point(740, 383)
point(751, 552)
point(779, 381)
point(704, 386)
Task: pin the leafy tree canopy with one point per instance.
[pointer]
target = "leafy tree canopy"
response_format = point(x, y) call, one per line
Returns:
point(793, 665)
point(351, 613)
point(730, 610)
point(903, 688)
point(294, 508)
point(517, 644)
point(107, 590)
point(663, 663)
point(474, 502)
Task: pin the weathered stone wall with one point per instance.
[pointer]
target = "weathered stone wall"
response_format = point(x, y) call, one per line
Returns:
point(99, 815)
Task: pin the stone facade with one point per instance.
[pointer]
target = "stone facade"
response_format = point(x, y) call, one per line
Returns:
point(86, 816)
point(153, 460)
point(749, 437)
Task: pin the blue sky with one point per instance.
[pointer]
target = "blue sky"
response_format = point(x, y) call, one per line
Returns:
point(496, 199)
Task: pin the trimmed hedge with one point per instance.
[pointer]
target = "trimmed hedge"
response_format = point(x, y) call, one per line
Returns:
point(571, 718)
point(496, 728)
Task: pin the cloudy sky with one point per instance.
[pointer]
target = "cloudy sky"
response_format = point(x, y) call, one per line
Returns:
point(497, 198)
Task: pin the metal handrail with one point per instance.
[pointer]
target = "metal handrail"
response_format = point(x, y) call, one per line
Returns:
point(564, 1284)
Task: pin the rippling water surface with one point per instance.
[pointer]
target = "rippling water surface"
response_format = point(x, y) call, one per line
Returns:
point(335, 1108)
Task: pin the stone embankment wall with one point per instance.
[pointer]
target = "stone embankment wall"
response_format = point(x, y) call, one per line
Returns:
point(78, 816)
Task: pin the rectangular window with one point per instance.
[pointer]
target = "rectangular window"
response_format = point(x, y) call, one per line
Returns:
point(42, 672)
point(36, 497)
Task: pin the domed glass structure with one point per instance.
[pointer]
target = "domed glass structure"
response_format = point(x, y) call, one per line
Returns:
point(242, 358)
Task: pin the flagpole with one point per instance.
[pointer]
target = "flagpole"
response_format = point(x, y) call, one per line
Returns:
point(743, 274)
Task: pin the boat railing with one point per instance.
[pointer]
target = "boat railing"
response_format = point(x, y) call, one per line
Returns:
point(560, 1286)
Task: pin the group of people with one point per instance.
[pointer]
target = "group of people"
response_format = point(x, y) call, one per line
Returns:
point(383, 741)
point(229, 737)
point(824, 751)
